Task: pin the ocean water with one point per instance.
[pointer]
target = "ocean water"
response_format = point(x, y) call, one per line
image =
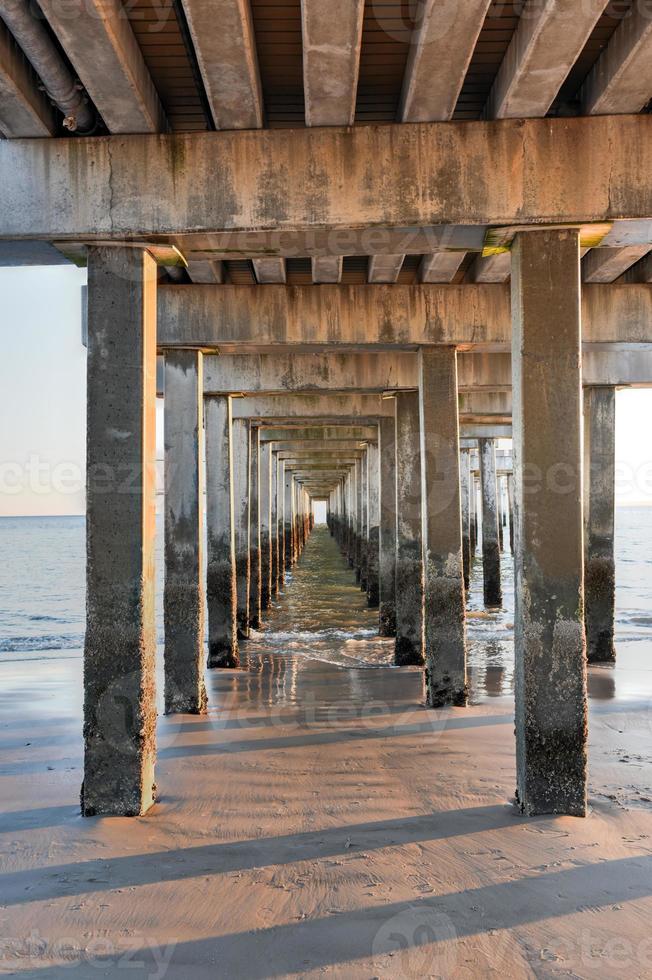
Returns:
point(42, 603)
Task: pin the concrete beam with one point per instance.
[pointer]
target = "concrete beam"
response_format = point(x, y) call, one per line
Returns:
point(440, 266)
point(332, 36)
point(270, 270)
point(207, 273)
point(641, 272)
point(327, 268)
point(490, 268)
point(318, 432)
point(547, 42)
point(384, 268)
point(98, 39)
point(297, 446)
point(287, 182)
point(223, 38)
point(340, 372)
point(607, 264)
point(24, 110)
point(621, 79)
point(439, 56)
point(470, 317)
point(351, 407)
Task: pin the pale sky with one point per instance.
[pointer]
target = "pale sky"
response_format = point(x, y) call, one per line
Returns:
point(43, 386)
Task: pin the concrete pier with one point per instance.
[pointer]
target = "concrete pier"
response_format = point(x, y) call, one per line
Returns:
point(266, 564)
point(493, 593)
point(278, 541)
point(120, 645)
point(242, 509)
point(185, 591)
point(255, 575)
point(387, 537)
point(221, 590)
point(364, 521)
point(359, 520)
point(473, 509)
point(373, 543)
point(288, 518)
point(599, 492)
point(443, 576)
point(409, 563)
point(510, 505)
point(465, 505)
point(551, 709)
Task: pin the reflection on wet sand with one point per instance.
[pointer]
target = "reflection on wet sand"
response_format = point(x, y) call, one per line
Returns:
point(322, 616)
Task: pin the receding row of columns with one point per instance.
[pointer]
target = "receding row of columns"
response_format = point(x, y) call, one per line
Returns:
point(401, 507)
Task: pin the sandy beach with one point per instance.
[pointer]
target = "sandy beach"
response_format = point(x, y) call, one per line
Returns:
point(321, 822)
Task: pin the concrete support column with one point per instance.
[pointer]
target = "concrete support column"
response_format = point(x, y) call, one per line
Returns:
point(499, 507)
point(185, 592)
point(350, 508)
point(599, 491)
point(364, 520)
point(550, 657)
point(359, 519)
point(493, 593)
point(221, 568)
point(465, 501)
point(265, 525)
point(242, 504)
point(288, 517)
point(387, 537)
point(444, 610)
point(510, 504)
point(120, 644)
point(473, 500)
point(409, 561)
point(279, 506)
point(255, 579)
point(373, 543)
point(274, 524)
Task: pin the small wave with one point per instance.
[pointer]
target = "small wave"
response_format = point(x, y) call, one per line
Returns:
point(27, 644)
point(47, 619)
point(309, 637)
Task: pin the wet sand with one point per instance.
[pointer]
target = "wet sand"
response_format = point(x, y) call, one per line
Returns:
point(320, 821)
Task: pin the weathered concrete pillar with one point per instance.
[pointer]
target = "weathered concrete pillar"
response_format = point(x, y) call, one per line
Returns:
point(221, 570)
point(288, 517)
point(242, 504)
point(387, 537)
point(364, 520)
point(120, 644)
point(359, 519)
point(493, 593)
point(350, 507)
point(465, 502)
point(499, 508)
point(473, 490)
point(409, 562)
point(185, 592)
point(599, 490)
point(373, 544)
point(443, 576)
point(510, 503)
point(265, 525)
point(277, 525)
point(550, 671)
point(255, 578)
